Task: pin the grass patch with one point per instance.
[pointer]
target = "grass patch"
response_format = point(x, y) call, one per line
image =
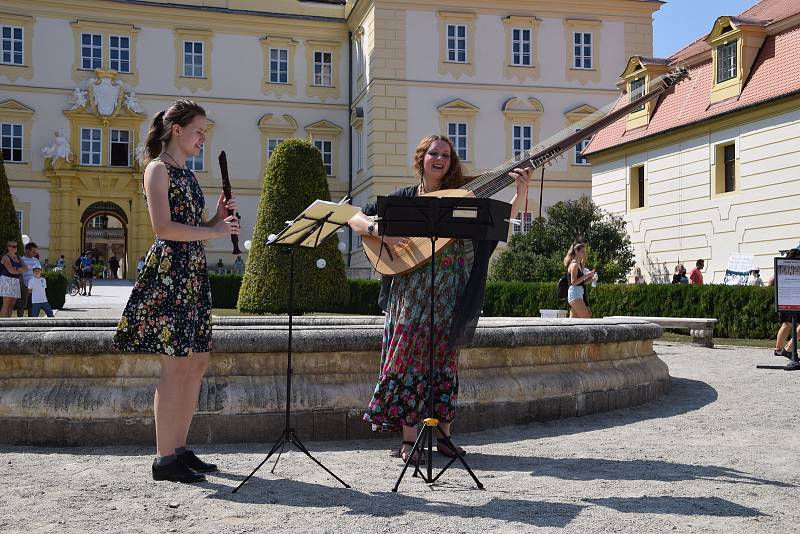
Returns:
point(685, 338)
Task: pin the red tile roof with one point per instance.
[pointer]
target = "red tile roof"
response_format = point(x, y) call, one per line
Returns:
point(775, 73)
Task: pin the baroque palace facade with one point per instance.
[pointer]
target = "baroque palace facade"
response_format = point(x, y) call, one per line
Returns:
point(365, 80)
point(711, 169)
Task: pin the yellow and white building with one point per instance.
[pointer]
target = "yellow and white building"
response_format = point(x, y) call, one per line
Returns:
point(365, 79)
point(710, 170)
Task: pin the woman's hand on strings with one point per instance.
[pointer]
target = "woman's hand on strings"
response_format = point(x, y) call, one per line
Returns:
point(395, 241)
point(522, 177)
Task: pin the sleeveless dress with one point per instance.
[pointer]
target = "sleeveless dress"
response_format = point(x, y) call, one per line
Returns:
point(401, 394)
point(169, 310)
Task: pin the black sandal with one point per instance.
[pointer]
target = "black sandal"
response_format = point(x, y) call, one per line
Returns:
point(444, 449)
point(783, 352)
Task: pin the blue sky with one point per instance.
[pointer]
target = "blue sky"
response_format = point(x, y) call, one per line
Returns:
point(679, 22)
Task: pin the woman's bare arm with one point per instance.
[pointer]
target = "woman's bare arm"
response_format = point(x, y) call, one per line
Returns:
point(11, 269)
point(156, 186)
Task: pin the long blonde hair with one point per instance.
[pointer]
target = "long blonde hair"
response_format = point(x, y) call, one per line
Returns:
point(573, 252)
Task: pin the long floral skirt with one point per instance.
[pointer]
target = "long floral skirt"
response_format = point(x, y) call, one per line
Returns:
point(401, 395)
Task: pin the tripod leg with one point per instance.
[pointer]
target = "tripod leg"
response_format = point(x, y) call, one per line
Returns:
point(417, 447)
point(302, 448)
point(453, 448)
point(281, 441)
point(283, 448)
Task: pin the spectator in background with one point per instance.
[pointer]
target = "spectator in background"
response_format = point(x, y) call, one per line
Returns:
point(680, 275)
point(139, 265)
point(30, 261)
point(61, 263)
point(696, 274)
point(113, 266)
point(638, 277)
point(11, 269)
point(37, 286)
point(238, 264)
point(46, 265)
point(755, 278)
point(220, 265)
point(87, 272)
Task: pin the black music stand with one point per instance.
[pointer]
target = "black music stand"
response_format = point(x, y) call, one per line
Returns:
point(434, 218)
point(317, 222)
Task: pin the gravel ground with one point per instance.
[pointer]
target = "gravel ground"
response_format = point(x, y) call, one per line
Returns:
point(718, 454)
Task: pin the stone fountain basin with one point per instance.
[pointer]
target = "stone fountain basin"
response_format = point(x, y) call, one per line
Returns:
point(62, 385)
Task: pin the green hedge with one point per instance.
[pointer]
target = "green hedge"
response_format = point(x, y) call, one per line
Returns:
point(56, 288)
point(742, 311)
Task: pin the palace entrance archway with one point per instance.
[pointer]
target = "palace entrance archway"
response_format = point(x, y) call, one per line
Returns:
point(104, 231)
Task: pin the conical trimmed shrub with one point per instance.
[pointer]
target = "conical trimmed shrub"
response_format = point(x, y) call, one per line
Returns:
point(9, 227)
point(295, 177)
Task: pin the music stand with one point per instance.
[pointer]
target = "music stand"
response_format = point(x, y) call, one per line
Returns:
point(317, 222)
point(434, 218)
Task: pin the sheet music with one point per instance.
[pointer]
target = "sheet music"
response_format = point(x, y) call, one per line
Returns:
point(320, 219)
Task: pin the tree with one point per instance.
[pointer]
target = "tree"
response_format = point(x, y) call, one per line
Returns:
point(9, 226)
point(294, 178)
point(537, 255)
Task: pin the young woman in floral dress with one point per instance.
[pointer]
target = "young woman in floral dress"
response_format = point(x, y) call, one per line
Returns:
point(399, 402)
point(169, 310)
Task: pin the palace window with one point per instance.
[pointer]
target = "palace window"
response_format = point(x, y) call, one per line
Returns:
point(120, 148)
point(526, 222)
point(457, 132)
point(726, 61)
point(582, 51)
point(197, 163)
point(11, 142)
point(521, 47)
point(91, 51)
point(637, 198)
point(272, 144)
point(579, 158)
point(91, 146)
point(119, 52)
point(279, 65)
point(729, 162)
point(457, 43)
point(323, 69)
point(326, 148)
point(193, 59)
point(99, 222)
point(20, 220)
point(522, 138)
point(637, 92)
point(11, 45)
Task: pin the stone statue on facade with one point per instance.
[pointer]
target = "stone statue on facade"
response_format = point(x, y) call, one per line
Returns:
point(132, 103)
point(79, 99)
point(59, 148)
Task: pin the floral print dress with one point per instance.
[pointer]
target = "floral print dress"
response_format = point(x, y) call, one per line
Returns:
point(401, 395)
point(169, 310)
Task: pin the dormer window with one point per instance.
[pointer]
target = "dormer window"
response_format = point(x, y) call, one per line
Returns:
point(726, 61)
point(637, 92)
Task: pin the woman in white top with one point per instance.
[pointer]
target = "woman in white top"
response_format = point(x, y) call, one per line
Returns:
point(578, 276)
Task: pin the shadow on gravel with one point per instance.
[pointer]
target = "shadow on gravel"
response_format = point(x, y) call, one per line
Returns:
point(585, 469)
point(711, 506)
point(309, 495)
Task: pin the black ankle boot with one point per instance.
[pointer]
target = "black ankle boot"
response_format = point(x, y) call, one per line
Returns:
point(176, 471)
point(190, 460)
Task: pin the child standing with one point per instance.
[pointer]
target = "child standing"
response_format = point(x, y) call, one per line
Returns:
point(37, 286)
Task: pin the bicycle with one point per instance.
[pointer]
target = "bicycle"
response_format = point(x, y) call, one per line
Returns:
point(75, 284)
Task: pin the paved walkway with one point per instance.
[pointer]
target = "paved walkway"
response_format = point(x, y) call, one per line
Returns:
point(719, 453)
point(108, 299)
